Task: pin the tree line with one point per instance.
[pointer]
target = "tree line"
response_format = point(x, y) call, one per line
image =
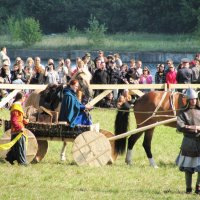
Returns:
point(153, 16)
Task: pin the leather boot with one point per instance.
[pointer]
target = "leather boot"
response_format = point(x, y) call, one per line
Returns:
point(188, 190)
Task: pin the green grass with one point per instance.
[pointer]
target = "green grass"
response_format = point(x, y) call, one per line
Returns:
point(52, 179)
point(127, 42)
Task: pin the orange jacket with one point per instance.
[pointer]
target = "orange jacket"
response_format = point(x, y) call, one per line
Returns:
point(17, 118)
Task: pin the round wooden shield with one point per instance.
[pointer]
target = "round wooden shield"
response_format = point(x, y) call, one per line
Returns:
point(108, 134)
point(91, 148)
point(42, 150)
point(31, 149)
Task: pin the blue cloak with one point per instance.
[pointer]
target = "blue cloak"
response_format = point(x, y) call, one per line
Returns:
point(72, 110)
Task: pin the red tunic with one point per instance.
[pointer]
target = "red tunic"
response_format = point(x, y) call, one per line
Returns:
point(17, 118)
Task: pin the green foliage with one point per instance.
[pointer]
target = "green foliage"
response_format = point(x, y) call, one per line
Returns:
point(96, 31)
point(13, 28)
point(72, 32)
point(30, 31)
point(153, 16)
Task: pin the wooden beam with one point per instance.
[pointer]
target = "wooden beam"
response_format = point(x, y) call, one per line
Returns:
point(105, 86)
point(6, 99)
point(22, 86)
point(99, 97)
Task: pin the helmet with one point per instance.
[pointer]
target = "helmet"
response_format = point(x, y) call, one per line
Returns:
point(191, 94)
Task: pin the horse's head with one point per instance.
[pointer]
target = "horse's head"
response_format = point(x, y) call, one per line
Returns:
point(84, 83)
point(51, 97)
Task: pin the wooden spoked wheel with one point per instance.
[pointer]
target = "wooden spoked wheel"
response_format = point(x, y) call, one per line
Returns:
point(31, 149)
point(91, 148)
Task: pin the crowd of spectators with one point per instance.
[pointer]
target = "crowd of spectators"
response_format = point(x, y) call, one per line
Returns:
point(104, 69)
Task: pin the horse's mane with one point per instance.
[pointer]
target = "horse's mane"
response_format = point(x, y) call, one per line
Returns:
point(51, 96)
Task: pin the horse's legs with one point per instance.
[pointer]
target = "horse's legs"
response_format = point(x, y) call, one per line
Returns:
point(62, 154)
point(147, 146)
point(131, 142)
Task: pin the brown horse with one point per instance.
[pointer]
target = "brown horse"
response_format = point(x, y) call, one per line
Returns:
point(152, 107)
point(51, 97)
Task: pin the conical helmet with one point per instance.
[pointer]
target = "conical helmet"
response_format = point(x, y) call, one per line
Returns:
point(191, 94)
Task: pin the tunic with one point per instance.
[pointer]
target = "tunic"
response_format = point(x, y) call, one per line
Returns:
point(72, 110)
point(189, 157)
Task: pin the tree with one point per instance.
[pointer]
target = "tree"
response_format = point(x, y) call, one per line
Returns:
point(96, 31)
point(30, 31)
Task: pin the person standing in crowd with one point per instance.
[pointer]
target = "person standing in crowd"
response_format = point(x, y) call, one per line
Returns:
point(114, 78)
point(139, 68)
point(37, 63)
point(100, 57)
point(118, 60)
point(15, 75)
point(69, 69)
point(132, 75)
point(72, 111)
point(170, 64)
point(4, 56)
point(89, 63)
point(160, 75)
point(5, 72)
point(51, 75)
point(146, 78)
point(171, 75)
point(108, 101)
point(37, 76)
point(62, 71)
point(18, 151)
point(188, 122)
point(100, 76)
point(184, 75)
point(195, 67)
point(28, 69)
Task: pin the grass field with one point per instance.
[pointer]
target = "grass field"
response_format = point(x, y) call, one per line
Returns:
point(52, 179)
point(127, 42)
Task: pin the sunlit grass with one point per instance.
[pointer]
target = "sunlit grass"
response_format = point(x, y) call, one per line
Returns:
point(115, 42)
point(52, 179)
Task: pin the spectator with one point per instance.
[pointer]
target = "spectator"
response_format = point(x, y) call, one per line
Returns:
point(118, 60)
point(69, 69)
point(146, 78)
point(160, 75)
point(196, 72)
point(5, 72)
point(50, 75)
point(171, 75)
point(169, 64)
point(114, 77)
point(37, 76)
point(62, 72)
point(37, 63)
point(89, 63)
point(184, 75)
point(139, 68)
point(4, 56)
point(101, 76)
point(132, 75)
point(108, 101)
point(100, 57)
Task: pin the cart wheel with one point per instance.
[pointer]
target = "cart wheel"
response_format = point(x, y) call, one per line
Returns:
point(91, 148)
point(31, 149)
point(42, 150)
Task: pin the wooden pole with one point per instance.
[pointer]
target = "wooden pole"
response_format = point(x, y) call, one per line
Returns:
point(6, 99)
point(123, 135)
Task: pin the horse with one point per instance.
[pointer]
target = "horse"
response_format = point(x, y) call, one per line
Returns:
point(51, 97)
point(150, 108)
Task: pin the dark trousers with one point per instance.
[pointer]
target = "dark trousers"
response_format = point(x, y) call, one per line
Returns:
point(18, 151)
